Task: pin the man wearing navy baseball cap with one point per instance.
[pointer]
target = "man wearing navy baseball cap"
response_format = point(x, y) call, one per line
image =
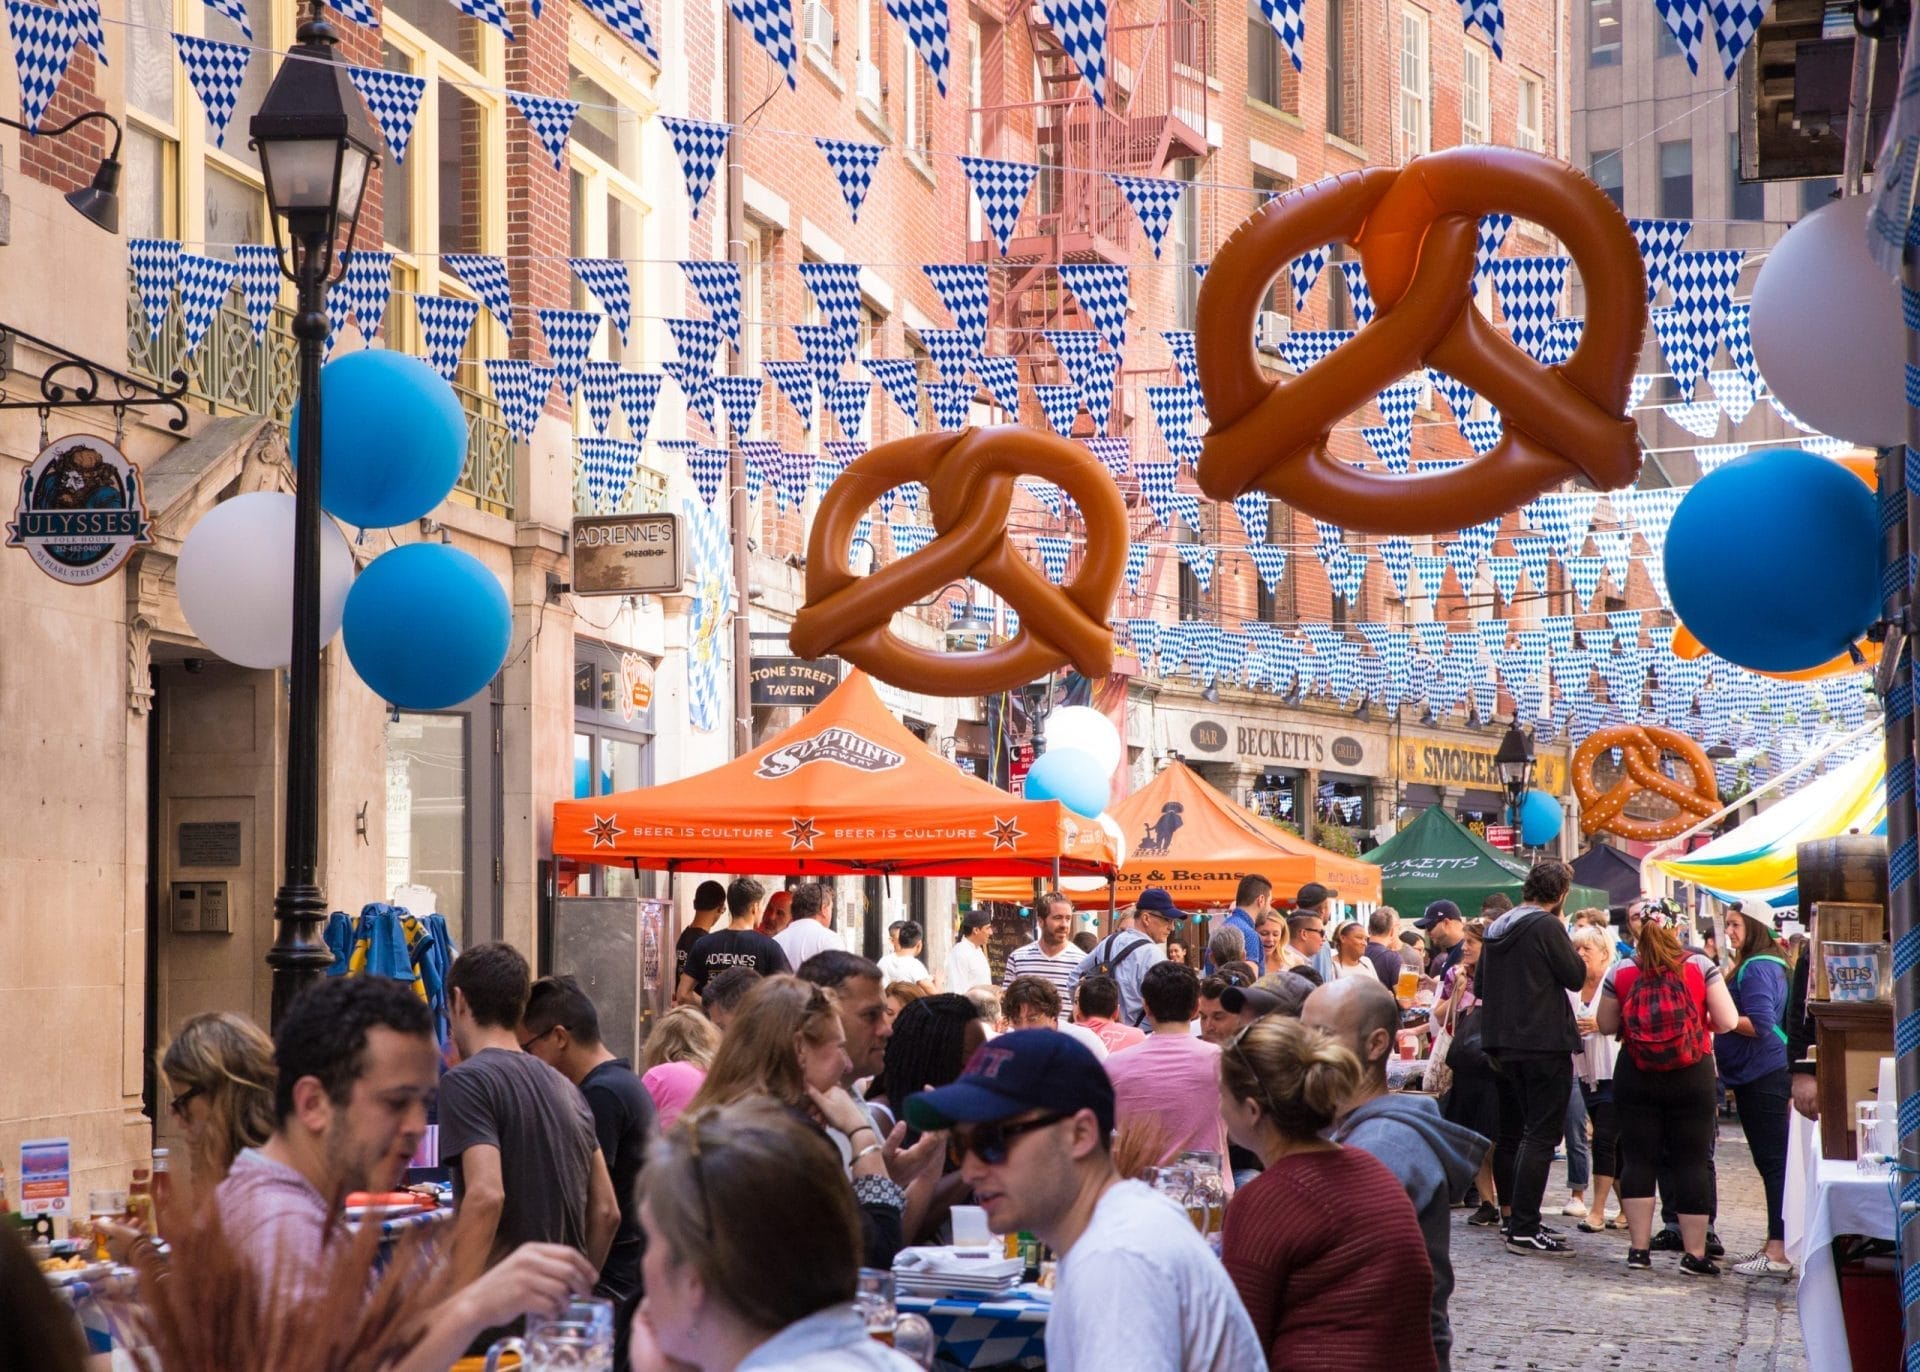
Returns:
point(1126, 954)
point(1032, 1119)
point(1446, 932)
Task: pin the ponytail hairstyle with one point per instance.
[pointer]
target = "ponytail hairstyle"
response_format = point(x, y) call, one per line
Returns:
point(1300, 1078)
point(1659, 948)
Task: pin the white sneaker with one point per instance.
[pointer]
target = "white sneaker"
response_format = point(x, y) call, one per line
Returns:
point(1760, 1265)
point(1575, 1207)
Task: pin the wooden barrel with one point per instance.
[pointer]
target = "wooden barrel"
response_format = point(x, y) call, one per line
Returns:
point(1852, 867)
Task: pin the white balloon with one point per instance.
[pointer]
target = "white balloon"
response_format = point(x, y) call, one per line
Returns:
point(235, 579)
point(1118, 835)
point(1827, 331)
point(1080, 726)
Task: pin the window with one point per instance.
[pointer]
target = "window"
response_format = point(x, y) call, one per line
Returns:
point(1527, 122)
point(612, 751)
point(1748, 198)
point(1474, 119)
point(462, 148)
point(1676, 180)
point(1605, 171)
point(1339, 107)
point(146, 208)
point(1603, 33)
point(866, 67)
point(1416, 92)
point(397, 194)
point(1279, 297)
point(1268, 65)
point(429, 787)
point(1267, 603)
point(1817, 192)
point(1189, 583)
point(917, 86)
point(1664, 43)
point(235, 212)
point(1186, 243)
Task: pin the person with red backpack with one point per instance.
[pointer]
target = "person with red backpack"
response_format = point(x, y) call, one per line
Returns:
point(1666, 1004)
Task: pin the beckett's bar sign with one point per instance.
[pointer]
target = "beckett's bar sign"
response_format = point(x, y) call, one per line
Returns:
point(801, 681)
point(631, 554)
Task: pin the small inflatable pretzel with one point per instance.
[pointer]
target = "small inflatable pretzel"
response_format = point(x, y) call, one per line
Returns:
point(970, 481)
point(1417, 230)
point(1642, 746)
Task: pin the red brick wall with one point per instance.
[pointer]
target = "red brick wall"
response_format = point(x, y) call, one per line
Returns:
point(539, 195)
point(66, 163)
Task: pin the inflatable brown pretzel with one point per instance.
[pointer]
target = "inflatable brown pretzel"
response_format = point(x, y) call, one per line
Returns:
point(1642, 746)
point(970, 481)
point(1417, 231)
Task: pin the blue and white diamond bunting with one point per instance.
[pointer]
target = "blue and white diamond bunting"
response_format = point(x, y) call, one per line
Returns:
point(1357, 293)
point(1733, 391)
point(1529, 290)
point(259, 279)
point(1659, 240)
point(962, 288)
point(1001, 376)
point(1288, 20)
point(1115, 454)
point(951, 350)
point(707, 466)
point(825, 346)
point(900, 379)
point(445, 323)
point(628, 19)
point(1061, 405)
point(599, 387)
point(204, 283)
point(156, 265)
point(492, 12)
point(84, 16)
point(1101, 288)
point(520, 389)
point(771, 24)
point(487, 278)
point(362, 291)
point(698, 144)
point(236, 10)
point(1253, 510)
point(740, 399)
point(216, 70)
point(43, 41)
point(1687, 21)
point(836, 288)
point(951, 401)
point(695, 380)
point(393, 98)
point(550, 118)
point(795, 380)
point(607, 278)
point(637, 392)
point(1186, 354)
point(1703, 284)
point(1153, 199)
point(1302, 272)
point(1136, 568)
point(1269, 561)
point(608, 465)
point(1001, 188)
point(695, 341)
point(1053, 550)
point(926, 24)
point(852, 165)
point(1493, 236)
point(1489, 16)
point(570, 335)
point(848, 402)
point(1198, 560)
point(1081, 27)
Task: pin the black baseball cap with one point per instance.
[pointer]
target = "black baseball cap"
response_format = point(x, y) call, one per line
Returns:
point(709, 895)
point(1237, 999)
point(1155, 901)
point(1028, 1069)
point(1439, 911)
point(975, 919)
point(1312, 894)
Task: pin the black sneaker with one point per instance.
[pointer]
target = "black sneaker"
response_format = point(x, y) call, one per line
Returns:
point(1551, 1232)
point(1698, 1267)
point(1667, 1241)
point(1539, 1244)
point(1639, 1257)
point(1485, 1217)
point(1715, 1248)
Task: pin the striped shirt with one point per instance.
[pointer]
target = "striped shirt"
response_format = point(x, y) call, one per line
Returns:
point(1057, 969)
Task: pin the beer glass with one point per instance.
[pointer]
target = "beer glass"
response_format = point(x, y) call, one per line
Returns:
point(579, 1339)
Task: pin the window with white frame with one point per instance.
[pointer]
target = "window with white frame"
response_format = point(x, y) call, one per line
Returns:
point(1527, 123)
point(916, 87)
point(868, 83)
point(1474, 117)
point(1416, 89)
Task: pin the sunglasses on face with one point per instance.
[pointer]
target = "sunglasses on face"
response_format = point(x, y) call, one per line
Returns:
point(178, 1105)
point(992, 1142)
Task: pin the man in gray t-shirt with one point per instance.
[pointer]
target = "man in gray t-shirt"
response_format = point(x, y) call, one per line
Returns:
point(518, 1137)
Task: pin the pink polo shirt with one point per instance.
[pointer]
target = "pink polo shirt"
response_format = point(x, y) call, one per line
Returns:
point(1172, 1080)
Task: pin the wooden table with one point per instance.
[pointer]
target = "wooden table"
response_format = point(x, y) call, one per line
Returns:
point(1851, 1037)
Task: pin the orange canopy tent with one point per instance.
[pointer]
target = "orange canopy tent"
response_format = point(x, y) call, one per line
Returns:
point(847, 790)
point(1197, 844)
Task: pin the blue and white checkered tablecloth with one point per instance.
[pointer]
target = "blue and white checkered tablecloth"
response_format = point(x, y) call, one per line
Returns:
point(1005, 1330)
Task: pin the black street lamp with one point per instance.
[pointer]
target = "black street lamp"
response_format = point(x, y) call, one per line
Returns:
point(1514, 761)
point(99, 199)
point(316, 148)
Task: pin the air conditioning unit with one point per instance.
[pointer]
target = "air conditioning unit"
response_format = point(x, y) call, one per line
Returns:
point(1270, 329)
point(869, 86)
point(816, 24)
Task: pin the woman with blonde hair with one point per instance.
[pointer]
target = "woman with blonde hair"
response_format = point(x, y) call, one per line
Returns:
point(219, 1075)
point(679, 1050)
point(1323, 1245)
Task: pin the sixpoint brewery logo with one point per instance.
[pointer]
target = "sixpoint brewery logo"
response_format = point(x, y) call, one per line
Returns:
point(834, 745)
point(81, 513)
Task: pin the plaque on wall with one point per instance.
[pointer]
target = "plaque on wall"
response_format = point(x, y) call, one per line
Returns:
point(210, 843)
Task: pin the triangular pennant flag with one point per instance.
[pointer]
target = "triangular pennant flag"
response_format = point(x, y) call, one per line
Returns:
point(1136, 566)
point(1505, 572)
point(1081, 27)
point(637, 392)
point(1199, 560)
point(1301, 350)
point(825, 347)
point(852, 166)
point(1529, 290)
point(951, 350)
point(951, 401)
point(740, 398)
point(43, 41)
point(698, 144)
point(550, 118)
point(236, 10)
point(492, 12)
point(1702, 285)
point(900, 379)
point(216, 70)
point(1358, 296)
point(600, 387)
point(487, 278)
point(1001, 188)
point(1001, 376)
point(1253, 510)
point(259, 279)
point(836, 289)
point(1536, 558)
point(707, 466)
point(83, 16)
point(1302, 272)
point(795, 380)
point(1288, 20)
point(926, 24)
point(608, 280)
point(1153, 199)
point(1102, 290)
point(718, 286)
point(1053, 550)
point(629, 20)
point(1049, 495)
point(771, 24)
point(1270, 562)
point(962, 288)
point(1458, 393)
point(514, 382)
point(1733, 391)
point(445, 323)
point(569, 335)
point(695, 341)
point(1095, 377)
point(363, 291)
point(695, 380)
point(1482, 435)
point(1737, 334)
point(608, 464)
point(1698, 417)
point(1687, 21)
point(847, 402)
point(204, 283)
point(1493, 231)
point(362, 12)
point(393, 98)
point(156, 264)
point(1396, 554)
point(1061, 405)
point(1186, 355)
point(1489, 16)
point(1615, 546)
point(1642, 383)
point(909, 539)
point(1659, 240)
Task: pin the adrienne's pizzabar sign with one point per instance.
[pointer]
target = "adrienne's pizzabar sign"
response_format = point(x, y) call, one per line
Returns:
point(630, 554)
point(81, 512)
point(800, 681)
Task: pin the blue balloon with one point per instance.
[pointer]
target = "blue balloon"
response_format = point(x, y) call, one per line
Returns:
point(1540, 819)
point(1072, 777)
point(427, 626)
point(392, 438)
point(1773, 560)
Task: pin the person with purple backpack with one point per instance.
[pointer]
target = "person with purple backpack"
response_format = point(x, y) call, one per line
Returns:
point(1666, 1004)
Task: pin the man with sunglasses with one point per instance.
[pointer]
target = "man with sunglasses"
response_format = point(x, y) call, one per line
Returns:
point(1126, 954)
point(1032, 1120)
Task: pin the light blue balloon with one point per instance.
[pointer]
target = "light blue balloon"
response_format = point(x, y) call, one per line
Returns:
point(392, 438)
point(427, 626)
point(1541, 819)
point(1072, 777)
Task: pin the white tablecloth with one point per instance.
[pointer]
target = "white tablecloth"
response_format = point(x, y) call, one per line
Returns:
point(1825, 1199)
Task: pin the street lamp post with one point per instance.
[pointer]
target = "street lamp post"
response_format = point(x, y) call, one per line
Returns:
point(316, 148)
point(1514, 759)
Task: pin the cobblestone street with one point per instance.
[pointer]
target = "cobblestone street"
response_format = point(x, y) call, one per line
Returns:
point(1587, 1313)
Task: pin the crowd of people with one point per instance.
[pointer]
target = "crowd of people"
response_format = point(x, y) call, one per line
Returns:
point(802, 1101)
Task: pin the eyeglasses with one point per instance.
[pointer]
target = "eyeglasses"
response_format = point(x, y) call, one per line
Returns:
point(178, 1105)
point(992, 1142)
point(1313, 929)
point(693, 1124)
point(527, 1047)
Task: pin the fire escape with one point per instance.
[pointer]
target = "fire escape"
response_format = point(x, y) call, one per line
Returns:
point(1155, 115)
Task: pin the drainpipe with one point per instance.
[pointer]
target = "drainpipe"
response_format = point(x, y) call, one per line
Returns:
point(737, 507)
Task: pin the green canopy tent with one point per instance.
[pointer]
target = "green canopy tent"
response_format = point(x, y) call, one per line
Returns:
point(1437, 858)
